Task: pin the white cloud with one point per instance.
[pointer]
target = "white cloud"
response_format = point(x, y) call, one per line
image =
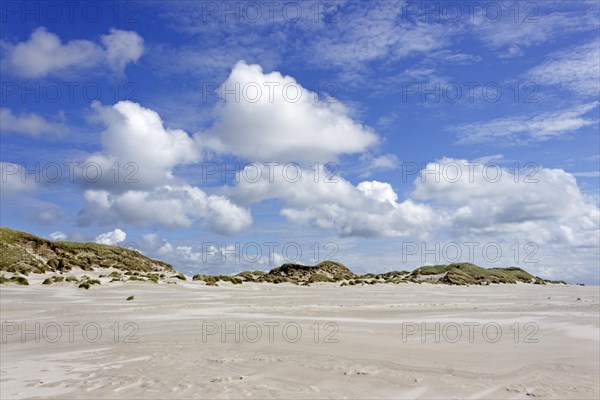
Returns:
point(57, 236)
point(152, 243)
point(576, 69)
point(29, 123)
point(111, 238)
point(377, 31)
point(122, 48)
point(146, 151)
point(45, 54)
point(135, 136)
point(368, 209)
point(287, 126)
point(535, 25)
point(170, 206)
point(541, 204)
point(384, 162)
point(451, 57)
point(523, 128)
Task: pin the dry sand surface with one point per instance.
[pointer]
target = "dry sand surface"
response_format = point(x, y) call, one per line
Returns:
point(325, 341)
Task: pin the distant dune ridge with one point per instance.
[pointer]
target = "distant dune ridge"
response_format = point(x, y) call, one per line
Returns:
point(23, 253)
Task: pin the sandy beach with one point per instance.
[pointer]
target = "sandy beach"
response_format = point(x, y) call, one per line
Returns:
point(283, 341)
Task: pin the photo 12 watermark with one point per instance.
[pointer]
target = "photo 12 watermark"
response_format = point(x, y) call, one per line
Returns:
point(69, 12)
point(469, 172)
point(70, 171)
point(68, 92)
point(269, 332)
point(453, 252)
point(461, 12)
point(469, 91)
point(68, 332)
point(253, 252)
point(469, 332)
point(268, 92)
point(254, 172)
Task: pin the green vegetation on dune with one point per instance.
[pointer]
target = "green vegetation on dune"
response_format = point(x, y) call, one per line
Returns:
point(470, 274)
point(326, 271)
point(21, 252)
point(212, 280)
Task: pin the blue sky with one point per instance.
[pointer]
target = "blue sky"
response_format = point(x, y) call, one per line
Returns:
point(450, 131)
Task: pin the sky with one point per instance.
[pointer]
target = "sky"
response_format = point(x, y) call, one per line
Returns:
point(230, 136)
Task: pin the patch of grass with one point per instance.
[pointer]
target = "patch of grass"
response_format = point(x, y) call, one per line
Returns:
point(53, 279)
point(247, 276)
point(19, 280)
point(212, 280)
point(130, 298)
point(84, 285)
point(88, 282)
point(314, 278)
point(227, 278)
point(430, 270)
point(71, 278)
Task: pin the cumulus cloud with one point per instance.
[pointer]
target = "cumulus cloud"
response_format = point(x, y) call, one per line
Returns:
point(541, 204)
point(369, 209)
point(274, 118)
point(45, 54)
point(146, 151)
point(30, 124)
point(111, 238)
point(148, 192)
point(451, 198)
point(525, 128)
point(170, 206)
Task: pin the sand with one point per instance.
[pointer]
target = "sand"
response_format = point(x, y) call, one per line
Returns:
point(325, 341)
